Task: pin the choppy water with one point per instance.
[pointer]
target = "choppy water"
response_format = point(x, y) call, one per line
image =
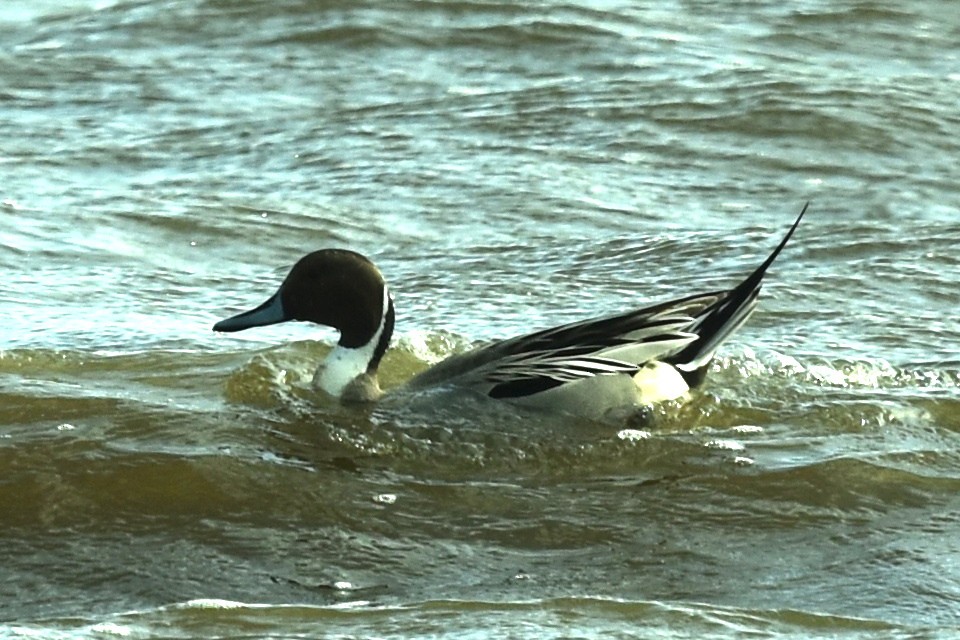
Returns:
point(509, 166)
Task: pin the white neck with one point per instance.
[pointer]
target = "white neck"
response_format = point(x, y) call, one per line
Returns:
point(343, 364)
point(341, 367)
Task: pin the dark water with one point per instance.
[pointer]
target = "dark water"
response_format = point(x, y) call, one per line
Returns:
point(508, 166)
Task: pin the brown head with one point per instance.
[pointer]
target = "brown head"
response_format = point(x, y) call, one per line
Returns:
point(332, 287)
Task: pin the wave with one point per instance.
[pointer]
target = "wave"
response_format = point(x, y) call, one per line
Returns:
point(132, 462)
point(353, 615)
point(759, 410)
point(261, 377)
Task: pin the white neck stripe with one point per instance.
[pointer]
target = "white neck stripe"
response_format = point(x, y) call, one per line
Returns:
point(343, 364)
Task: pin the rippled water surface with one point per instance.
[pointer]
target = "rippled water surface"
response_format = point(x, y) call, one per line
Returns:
point(509, 166)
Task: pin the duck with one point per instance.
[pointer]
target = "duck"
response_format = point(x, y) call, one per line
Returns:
point(637, 358)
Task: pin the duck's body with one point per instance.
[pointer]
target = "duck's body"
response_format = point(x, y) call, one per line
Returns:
point(641, 357)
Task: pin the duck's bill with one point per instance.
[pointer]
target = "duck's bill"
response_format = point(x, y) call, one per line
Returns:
point(270, 312)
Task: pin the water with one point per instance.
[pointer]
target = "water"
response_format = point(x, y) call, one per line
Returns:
point(508, 166)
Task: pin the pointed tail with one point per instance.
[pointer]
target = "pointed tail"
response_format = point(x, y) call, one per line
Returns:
point(718, 321)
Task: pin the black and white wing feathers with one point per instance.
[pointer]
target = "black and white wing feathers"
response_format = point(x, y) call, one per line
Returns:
point(536, 362)
point(684, 333)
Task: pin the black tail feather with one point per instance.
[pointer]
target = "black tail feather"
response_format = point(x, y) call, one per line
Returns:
point(727, 314)
point(754, 279)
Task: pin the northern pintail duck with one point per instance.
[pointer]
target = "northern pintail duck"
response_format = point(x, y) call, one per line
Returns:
point(637, 358)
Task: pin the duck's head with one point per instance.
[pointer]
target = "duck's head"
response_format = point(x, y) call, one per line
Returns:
point(335, 288)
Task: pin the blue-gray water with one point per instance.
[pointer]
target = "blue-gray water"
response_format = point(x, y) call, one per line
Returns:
point(509, 166)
